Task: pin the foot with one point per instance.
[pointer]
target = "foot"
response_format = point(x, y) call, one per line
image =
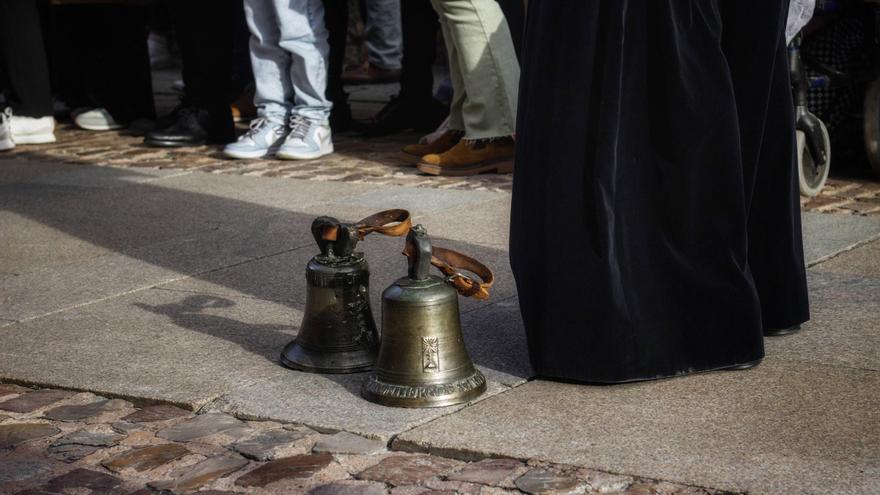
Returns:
point(370, 74)
point(775, 332)
point(401, 114)
point(470, 158)
point(243, 107)
point(340, 117)
point(307, 140)
point(190, 128)
point(6, 142)
point(434, 145)
point(32, 130)
point(263, 138)
point(743, 366)
point(96, 119)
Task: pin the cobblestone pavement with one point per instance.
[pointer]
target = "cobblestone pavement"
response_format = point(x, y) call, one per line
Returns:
point(375, 160)
point(68, 443)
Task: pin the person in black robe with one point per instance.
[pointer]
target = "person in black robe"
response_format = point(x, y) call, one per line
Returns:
point(655, 226)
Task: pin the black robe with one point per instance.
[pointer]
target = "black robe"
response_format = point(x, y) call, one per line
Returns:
point(655, 227)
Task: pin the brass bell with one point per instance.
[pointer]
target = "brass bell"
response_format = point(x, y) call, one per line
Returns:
point(338, 333)
point(422, 358)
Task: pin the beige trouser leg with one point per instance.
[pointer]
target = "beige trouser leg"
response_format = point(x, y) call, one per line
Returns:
point(483, 66)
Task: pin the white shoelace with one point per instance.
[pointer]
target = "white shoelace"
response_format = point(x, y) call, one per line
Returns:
point(255, 127)
point(299, 127)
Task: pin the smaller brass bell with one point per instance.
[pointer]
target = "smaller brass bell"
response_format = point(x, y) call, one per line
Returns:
point(338, 333)
point(422, 358)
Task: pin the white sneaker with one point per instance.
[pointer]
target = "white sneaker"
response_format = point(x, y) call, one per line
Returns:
point(32, 130)
point(97, 119)
point(264, 137)
point(6, 142)
point(307, 140)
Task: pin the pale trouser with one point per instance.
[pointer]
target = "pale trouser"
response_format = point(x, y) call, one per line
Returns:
point(289, 52)
point(382, 34)
point(483, 68)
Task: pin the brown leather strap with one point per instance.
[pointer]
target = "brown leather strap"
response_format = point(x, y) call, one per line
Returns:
point(393, 223)
point(452, 262)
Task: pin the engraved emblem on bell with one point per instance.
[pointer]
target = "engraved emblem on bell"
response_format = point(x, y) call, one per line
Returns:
point(422, 358)
point(338, 333)
point(430, 354)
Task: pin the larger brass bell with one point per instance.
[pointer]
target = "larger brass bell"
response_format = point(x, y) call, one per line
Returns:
point(338, 333)
point(422, 358)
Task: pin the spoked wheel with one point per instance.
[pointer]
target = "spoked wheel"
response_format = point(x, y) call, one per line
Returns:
point(871, 117)
point(812, 175)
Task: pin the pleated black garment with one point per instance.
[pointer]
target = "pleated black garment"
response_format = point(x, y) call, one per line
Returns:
point(655, 227)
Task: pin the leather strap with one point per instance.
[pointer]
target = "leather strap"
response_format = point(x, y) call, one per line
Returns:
point(394, 223)
point(452, 262)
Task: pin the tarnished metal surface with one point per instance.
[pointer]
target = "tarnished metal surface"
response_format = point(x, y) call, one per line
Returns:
point(422, 359)
point(338, 333)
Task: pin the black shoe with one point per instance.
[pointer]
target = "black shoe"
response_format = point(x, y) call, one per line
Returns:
point(775, 332)
point(192, 127)
point(397, 115)
point(401, 114)
point(429, 115)
point(340, 117)
point(743, 366)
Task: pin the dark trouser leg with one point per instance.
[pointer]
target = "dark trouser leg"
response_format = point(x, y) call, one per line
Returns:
point(121, 76)
point(515, 15)
point(767, 138)
point(23, 56)
point(336, 20)
point(420, 25)
point(242, 73)
point(206, 53)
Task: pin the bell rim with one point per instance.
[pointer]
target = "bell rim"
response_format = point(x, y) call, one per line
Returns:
point(366, 364)
point(454, 398)
point(324, 371)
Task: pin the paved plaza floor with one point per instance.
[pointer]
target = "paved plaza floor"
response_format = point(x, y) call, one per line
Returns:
point(176, 278)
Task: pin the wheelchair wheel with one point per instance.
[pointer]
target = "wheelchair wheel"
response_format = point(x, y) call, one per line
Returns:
point(812, 176)
point(871, 117)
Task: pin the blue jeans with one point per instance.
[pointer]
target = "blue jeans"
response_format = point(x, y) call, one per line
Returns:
point(382, 33)
point(289, 52)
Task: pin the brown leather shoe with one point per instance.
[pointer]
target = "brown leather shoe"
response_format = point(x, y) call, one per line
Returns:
point(369, 74)
point(443, 143)
point(470, 158)
point(243, 107)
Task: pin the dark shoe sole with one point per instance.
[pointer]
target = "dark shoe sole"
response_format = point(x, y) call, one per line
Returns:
point(173, 144)
point(776, 332)
point(499, 167)
point(743, 366)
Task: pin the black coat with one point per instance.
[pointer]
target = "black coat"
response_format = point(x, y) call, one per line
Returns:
point(656, 224)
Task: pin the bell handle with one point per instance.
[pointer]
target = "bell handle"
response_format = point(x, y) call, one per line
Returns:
point(321, 228)
point(452, 263)
point(394, 223)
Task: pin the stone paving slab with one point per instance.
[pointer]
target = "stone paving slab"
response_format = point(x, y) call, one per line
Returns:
point(181, 348)
point(843, 329)
point(862, 261)
point(222, 349)
point(45, 290)
point(12, 171)
point(328, 403)
point(282, 277)
point(784, 427)
point(828, 235)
